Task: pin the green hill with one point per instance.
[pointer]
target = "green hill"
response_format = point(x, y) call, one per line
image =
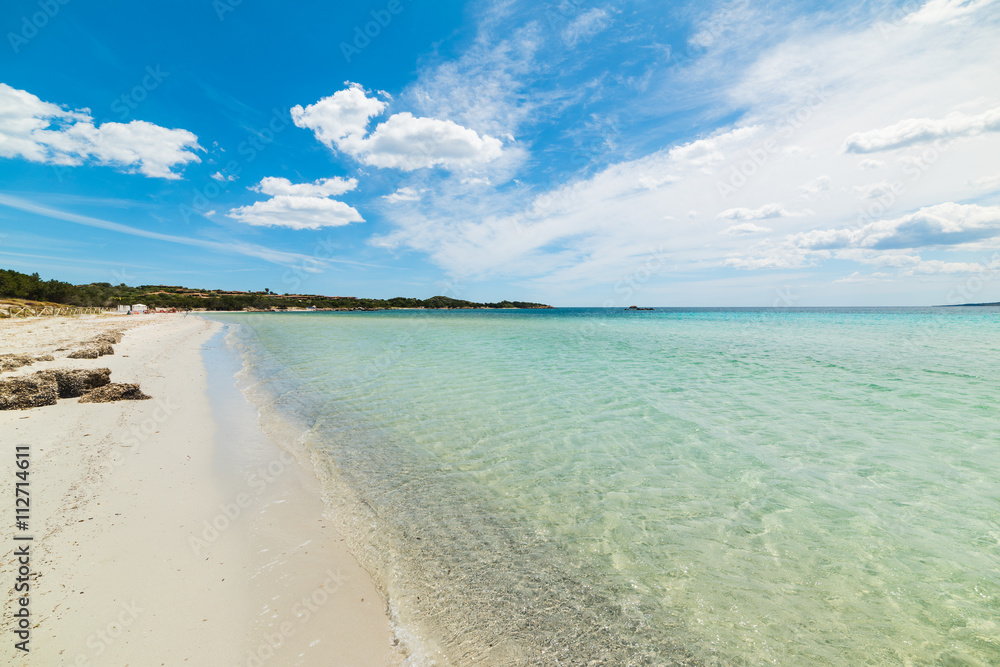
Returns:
point(16, 285)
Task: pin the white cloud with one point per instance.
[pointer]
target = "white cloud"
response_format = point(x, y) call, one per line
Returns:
point(585, 26)
point(765, 212)
point(324, 187)
point(223, 178)
point(946, 224)
point(299, 205)
point(915, 131)
point(895, 260)
point(403, 141)
point(296, 213)
point(825, 80)
point(937, 267)
point(816, 188)
point(944, 11)
point(407, 142)
point(864, 279)
point(402, 194)
point(43, 132)
point(746, 228)
point(876, 190)
point(775, 258)
point(476, 181)
point(986, 182)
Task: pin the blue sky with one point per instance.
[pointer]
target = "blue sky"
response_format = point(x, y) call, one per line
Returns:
point(604, 154)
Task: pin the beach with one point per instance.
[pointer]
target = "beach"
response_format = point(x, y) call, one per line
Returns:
point(161, 533)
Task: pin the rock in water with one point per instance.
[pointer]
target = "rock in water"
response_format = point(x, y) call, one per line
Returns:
point(73, 382)
point(114, 392)
point(28, 392)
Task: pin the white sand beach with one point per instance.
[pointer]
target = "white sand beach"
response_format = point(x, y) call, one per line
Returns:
point(158, 539)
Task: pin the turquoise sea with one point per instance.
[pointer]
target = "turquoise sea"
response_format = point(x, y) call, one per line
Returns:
point(678, 487)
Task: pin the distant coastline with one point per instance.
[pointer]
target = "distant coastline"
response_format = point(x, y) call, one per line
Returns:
point(50, 293)
point(967, 305)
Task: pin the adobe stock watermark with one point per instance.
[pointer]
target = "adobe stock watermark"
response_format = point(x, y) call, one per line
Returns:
point(103, 638)
point(143, 431)
point(363, 35)
point(741, 174)
point(634, 281)
point(970, 289)
point(230, 512)
point(629, 284)
point(914, 168)
point(223, 7)
point(127, 102)
point(966, 291)
point(893, 23)
point(302, 610)
point(393, 352)
point(248, 150)
point(33, 23)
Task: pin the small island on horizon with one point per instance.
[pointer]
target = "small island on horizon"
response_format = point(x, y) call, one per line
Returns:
point(23, 287)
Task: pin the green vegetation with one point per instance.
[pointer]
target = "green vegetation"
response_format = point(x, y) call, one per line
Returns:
point(23, 286)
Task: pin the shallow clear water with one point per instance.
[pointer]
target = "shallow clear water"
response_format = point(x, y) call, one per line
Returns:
point(718, 487)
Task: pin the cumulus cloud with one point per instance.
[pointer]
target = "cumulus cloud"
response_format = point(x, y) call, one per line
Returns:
point(914, 131)
point(476, 181)
point(880, 243)
point(402, 194)
point(940, 225)
point(875, 190)
point(403, 141)
point(937, 267)
point(223, 178)
point(299, 205)
point(816, 188)
point(858, 277)
point(324, 187)
point(43, 132)
point(765, 212)
point(746, 228)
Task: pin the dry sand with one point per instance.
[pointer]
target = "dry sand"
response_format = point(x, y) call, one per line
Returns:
point(161, 540)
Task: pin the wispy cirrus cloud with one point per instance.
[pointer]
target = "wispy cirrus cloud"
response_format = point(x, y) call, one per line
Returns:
point(585, 26)
point(307, 263)
point(765, 212)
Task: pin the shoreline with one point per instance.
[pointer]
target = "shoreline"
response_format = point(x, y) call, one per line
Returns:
point(157, 534)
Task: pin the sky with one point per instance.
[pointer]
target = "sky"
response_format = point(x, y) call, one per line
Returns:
point(656, 153)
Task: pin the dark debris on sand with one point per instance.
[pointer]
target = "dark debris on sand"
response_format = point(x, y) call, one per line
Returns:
point(46, 387)
point(98, 346)
point(11, 362)
point(76, 382)
point(27, 392)
point(115, 392)
point(92, 351)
